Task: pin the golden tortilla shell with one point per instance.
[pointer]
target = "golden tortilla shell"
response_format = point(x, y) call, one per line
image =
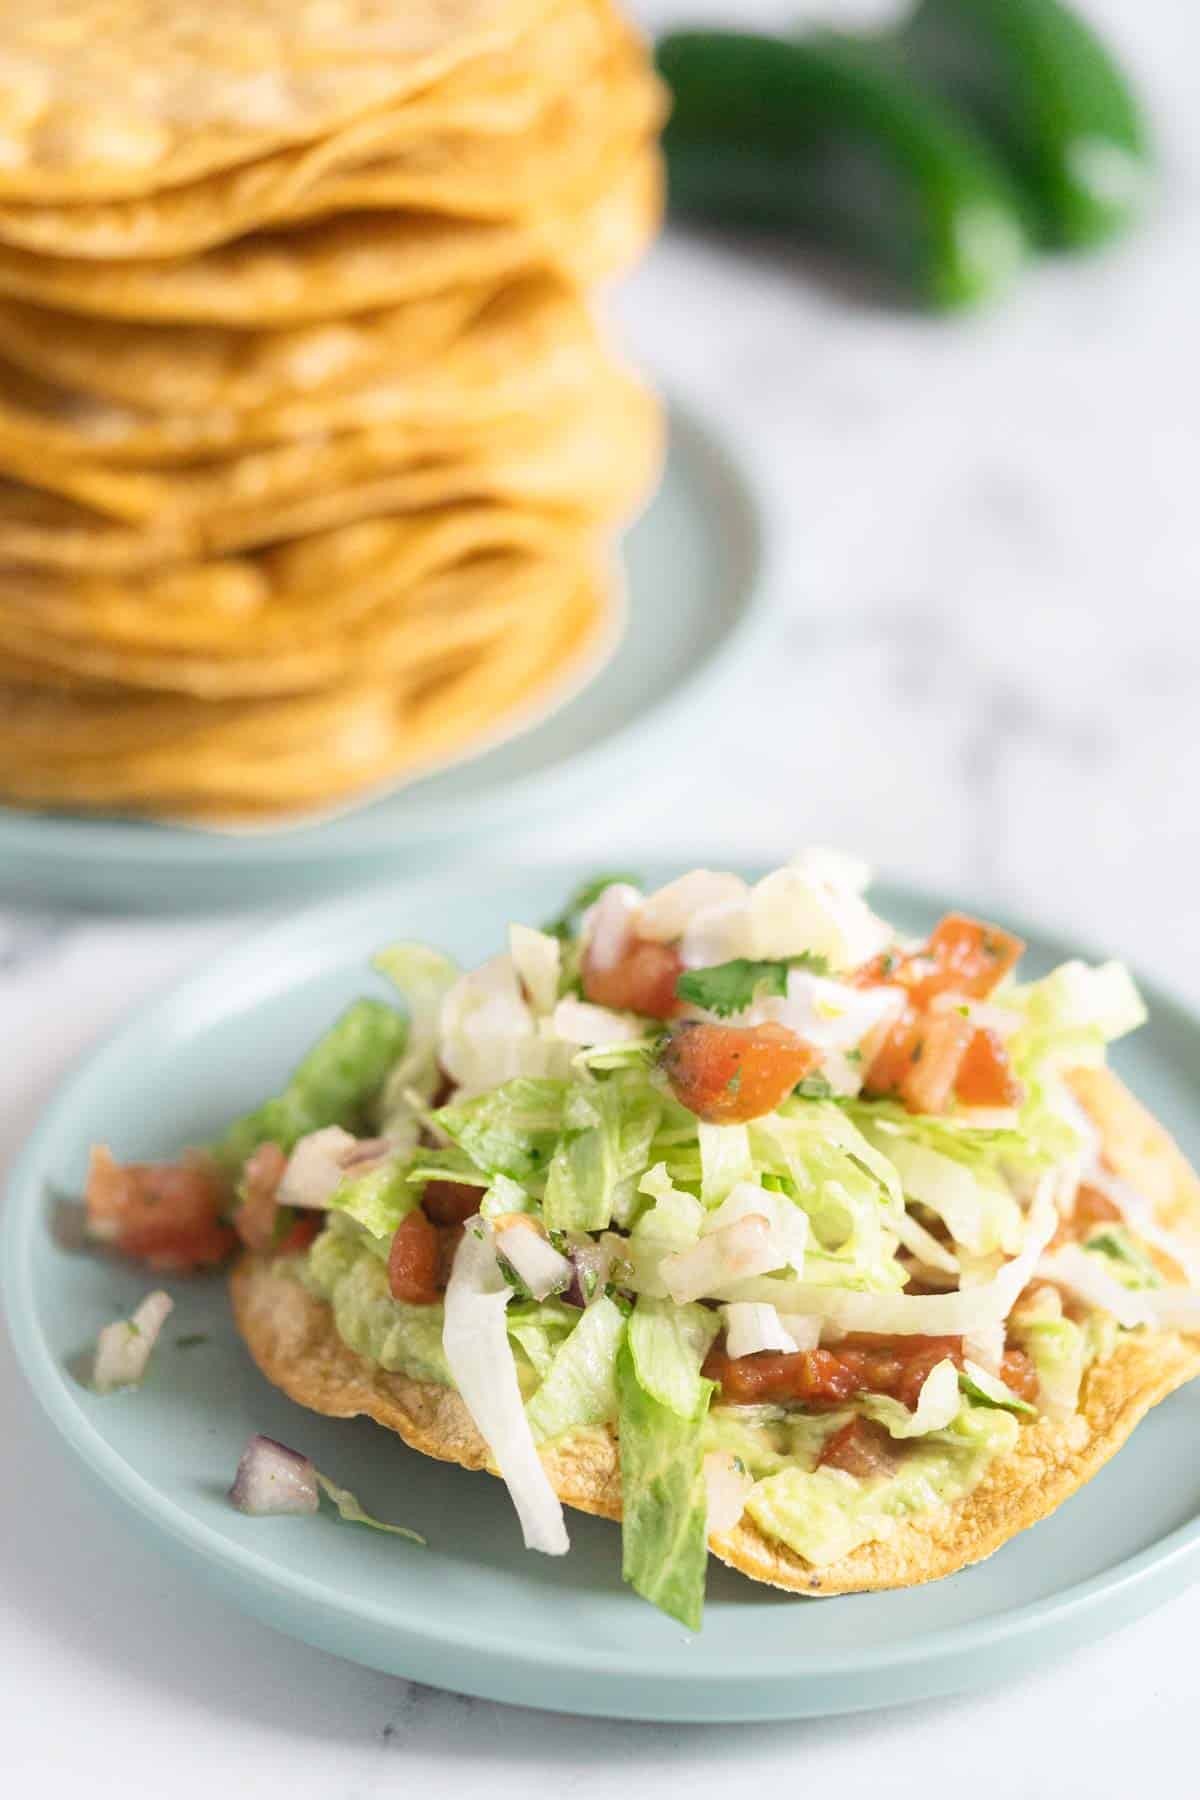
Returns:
point(293, 1340)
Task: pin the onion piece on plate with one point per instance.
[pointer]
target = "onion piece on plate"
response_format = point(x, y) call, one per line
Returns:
point(273, 1479)
point(123, 1348)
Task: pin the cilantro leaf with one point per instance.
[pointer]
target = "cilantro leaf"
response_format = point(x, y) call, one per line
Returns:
point(731, 987)
point(567, 923)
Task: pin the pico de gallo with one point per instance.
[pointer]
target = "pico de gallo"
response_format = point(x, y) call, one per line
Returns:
point(800, 1207)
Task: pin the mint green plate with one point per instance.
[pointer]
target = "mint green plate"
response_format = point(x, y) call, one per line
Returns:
point(475, 1612)
point(694, 567)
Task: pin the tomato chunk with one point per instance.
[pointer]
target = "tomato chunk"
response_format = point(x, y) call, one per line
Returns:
point(258, 1209)
point(985, 1076)
point(969, 957)
point(893, 1058)
point(1017, 1371)
point(963, 956)
point(415, 1261)
point(828, 1376)
point(726, 1074)
point(450, 1202)
point(167, 1215)
point(927, 1085)
point(862, 1448)
point(642, 981)
point(1092, 1208)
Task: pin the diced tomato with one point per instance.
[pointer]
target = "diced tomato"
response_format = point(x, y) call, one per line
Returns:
point(449, 1238)
point(919, 1060)
point(963, 956)
point(985, 1076)
point(862, 1448)
point(450, 1202)
point(826, 1377)
point(726, 1074)
point(928, 1084)
point(1093, 1208)
point(643, 981)
point(969, 957)
point(296, 1230)
point(257, 1211)
point(1018, 1372)
point(167, 1215)
point(894, 1056)
point(414, 1261)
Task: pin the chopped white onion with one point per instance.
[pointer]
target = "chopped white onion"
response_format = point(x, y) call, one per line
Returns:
point(537, 959)
point(607, 927)
point(787, 1223)
point(932, 1315)
point(830, 1015)
point(731, 1255)
point(316, 1167)
point(1082, 1275)
point(727, 1484)
point(921, 1243)
point(273, 1479)
point(666, 914)
point(579, 1022)
point(123, 1348)
point(542, 1268)
point(475, 1340)
point(751, 1326)
point(488, 1034)
point(803, 1329)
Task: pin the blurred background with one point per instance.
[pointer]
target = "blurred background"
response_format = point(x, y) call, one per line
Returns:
point(987, 670)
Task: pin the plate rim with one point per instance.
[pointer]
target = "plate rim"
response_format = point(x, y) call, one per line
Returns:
point(70, 839)
point(1119, 1590)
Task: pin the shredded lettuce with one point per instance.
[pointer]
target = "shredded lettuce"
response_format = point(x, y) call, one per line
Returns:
point(664, 1549)
point(668, 1344)
point(333, 1085)
point(725, 1160)
point(511, 1130)
point(1058, 1349)
point(379, 1198)
point(579, 1387)
point(424, 977)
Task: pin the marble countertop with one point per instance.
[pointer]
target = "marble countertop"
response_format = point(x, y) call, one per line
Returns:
point(984, 674)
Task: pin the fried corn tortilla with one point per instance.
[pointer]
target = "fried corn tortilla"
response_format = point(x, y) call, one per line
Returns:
point(352, 262)
point(525, 352)
point(383, 162)
point(224, 369)
point(104, 98)
point(596, 459)
point(548, 624)
point(247, 626)
point(293, 1340)
point(493, 97)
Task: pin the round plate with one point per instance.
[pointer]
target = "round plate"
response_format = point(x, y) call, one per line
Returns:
point(694, 571)
point(475, 1612)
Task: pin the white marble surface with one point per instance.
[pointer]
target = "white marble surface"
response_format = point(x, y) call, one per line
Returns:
point(985, 673)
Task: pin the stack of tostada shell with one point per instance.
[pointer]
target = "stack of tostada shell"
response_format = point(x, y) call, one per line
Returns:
point(311, 445)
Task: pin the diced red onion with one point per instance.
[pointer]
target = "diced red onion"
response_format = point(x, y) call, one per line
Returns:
point(273, 1479)
point(591, 1264)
